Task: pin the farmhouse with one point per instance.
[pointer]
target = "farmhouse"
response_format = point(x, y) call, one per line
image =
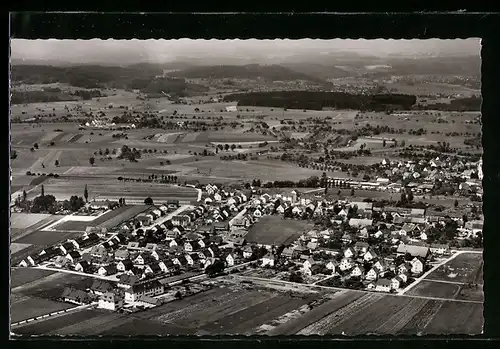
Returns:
point(125, 265)
point(369, 255)
point(107, 270)
point(417, 265)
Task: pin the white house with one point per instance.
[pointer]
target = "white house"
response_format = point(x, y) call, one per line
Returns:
point(357, 271)
point(269, 259)
point(369, 255)
point(150, 288)
point(383, 285)
point(345, 264)
point(373, 274)
point(110, 301)
point(332, 265)
point(349, 252)
point(417, 266)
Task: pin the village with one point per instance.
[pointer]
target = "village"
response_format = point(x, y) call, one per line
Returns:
point(366, 245)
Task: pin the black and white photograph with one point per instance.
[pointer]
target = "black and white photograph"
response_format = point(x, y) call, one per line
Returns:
point(245, 187)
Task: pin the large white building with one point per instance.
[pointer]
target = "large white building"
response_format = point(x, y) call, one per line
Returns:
point(480, 169)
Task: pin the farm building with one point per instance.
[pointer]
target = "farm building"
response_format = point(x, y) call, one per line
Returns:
point(413, 250)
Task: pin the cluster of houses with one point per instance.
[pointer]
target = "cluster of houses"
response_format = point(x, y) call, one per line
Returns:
point(422, 176)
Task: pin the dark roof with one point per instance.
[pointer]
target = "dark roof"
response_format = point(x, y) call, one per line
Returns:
point(128, 279)
point(75, 254)
point(101, 285)
point(143, 286)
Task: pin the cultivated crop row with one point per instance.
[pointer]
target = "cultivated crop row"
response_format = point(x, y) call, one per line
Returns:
point(402, 317)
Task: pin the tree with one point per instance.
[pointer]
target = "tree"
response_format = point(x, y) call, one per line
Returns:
point(226, 147)
point(178, 295)
point(24, 195)
point(384, 143)
point(43, 191)
point(352, 192)
point(76, 203)
point(13, 154)
point(86, 194)
point(92, 161)
point(35, 145)
point(295, 277)
point(233, 146)
point(215, 268)
point(148, 201)
point(410, 196)
point(455, 203)
point(56, 163)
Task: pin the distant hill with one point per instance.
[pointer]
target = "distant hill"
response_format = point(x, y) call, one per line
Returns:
point(252, 71)
point(320, 71)
point(462, 65)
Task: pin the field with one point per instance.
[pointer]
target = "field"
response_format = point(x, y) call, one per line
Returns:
point(274, 230)
point(16, 247)
point(19, 233)
point(381, 314)
point(26, 220)
point(22, 276)
point(26, 307)
point(102, 189)
point(464, 268)
point(220, 310)
point(45, 238)
point(435, 289)
point(247, 170)
point(107, 220)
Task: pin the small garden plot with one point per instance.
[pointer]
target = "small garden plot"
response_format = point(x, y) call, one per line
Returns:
point(435, 289)
point(29, 307)
point(53, 324)
point(457, 318)
point(91, 170)
point(26, 220)
point(274, 230)
point(463, 268)
point(22, 276)
point(471, 293)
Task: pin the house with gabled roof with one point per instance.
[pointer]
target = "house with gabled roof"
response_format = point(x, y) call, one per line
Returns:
point(373, 273)
point(67, 247)
point(332, 265)
point(107, 270)
point(350, 252)
point(83, 267)
point(361, 247)
point(370, 255)
point(417, 265)
point(74, 256)
point(100, 287)
point(269, 259)
point(396, 282)
point(383, 285)
point(404, 268)
point(124, 265)
point(346, 264)
point(357, 271)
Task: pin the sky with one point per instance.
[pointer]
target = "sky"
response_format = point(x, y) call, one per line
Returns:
point(163, 51)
